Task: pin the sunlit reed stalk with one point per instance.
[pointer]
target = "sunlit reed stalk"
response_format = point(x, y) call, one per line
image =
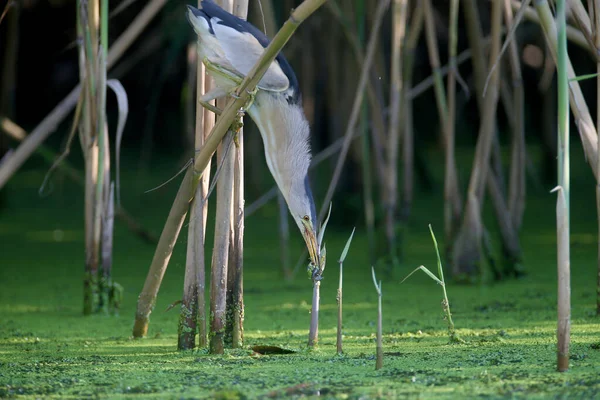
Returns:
point(562, 206)
point(87, 132)
point(178, 211)
point(340, 294)
point(379, 345)
point(59, 113)
point(234, 323)
point(222, 239)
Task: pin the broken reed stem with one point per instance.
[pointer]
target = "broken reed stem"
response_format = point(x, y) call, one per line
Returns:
point(379, 346)
point(338, 343)
point(562, 206)
point(62, 109)
point(188, 185)
point(313, 333)
point(399, 18)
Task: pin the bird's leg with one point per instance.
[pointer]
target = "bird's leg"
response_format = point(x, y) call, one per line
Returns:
point(215, 93)
point(236, 126)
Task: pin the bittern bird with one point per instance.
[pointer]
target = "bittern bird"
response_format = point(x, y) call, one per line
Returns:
point(229, 47)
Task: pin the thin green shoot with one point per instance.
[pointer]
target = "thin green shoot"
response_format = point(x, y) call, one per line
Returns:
point(339, 293)
point(454, 338)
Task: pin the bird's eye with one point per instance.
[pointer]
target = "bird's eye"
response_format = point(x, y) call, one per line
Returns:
point(306, 218)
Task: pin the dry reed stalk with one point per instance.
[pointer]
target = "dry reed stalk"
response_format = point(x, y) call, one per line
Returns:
point(234, 329)
point(517, 187)
point(563, 329)
point(188, 316)
point(466, 251)
point(452, 203)
point(220, 256)
point(412, 38)
point(107, 300)
point(178, 211)
point(446, 111)
point(375, 102)
point(87, 29)
point(399, 18)
point(373, 40)
point(573, 34)
point(509, 236)
point(223, 230)
point(200, 230)
point(579, 108)
point(62, 109)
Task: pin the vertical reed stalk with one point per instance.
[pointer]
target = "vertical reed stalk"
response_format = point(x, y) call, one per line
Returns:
point(234, 324)
point(223, 230)
point(452, 206)
point(313, 333)
point(399, 18)
point(87, 28)
point(200, 229)
point(366, 165)
point(379, 346)
point(467, 257)
point(562, 206)
point(416, 27)
point(189, 320)
point(517, 187)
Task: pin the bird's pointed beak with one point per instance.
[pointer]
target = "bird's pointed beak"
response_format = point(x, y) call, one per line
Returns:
point(310, 237)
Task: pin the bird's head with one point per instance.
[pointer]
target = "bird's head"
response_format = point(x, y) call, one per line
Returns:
point(302, 208)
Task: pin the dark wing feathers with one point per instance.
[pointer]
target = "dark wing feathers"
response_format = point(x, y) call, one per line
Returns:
point(209, 9)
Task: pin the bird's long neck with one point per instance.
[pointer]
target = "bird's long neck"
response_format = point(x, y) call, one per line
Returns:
point(285, 133)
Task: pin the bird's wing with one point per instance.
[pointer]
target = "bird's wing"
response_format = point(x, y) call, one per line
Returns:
point(243, 50)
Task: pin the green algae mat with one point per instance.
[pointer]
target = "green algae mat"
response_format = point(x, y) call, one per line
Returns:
point(49, 350)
